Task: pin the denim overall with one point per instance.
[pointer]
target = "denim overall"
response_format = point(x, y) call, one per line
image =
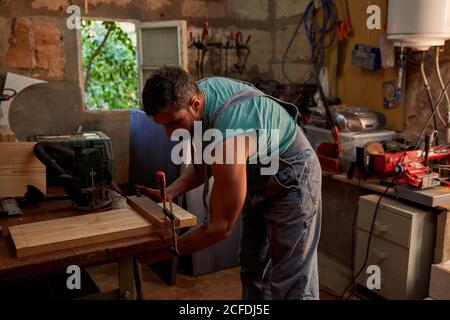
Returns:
point(280, 220)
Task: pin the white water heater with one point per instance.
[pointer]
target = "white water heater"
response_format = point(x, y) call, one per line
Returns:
point(419, 24)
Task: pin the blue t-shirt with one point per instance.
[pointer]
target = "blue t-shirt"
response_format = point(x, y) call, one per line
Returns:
point(262, 115)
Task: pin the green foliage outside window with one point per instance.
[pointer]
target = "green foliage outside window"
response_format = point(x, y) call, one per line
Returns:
point(109, 65)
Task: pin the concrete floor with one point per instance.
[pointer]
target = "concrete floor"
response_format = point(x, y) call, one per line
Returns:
point(222, 285)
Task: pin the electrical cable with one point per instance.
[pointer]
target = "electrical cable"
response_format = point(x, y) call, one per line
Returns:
point(447, 106)
point(369, 241)
point(431, 115)
point(428, 88)
point(315, 35)
point(441, 82)
point(122, 195)
point(355, 218)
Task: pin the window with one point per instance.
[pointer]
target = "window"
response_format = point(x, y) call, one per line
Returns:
point(109, 64)
point(118, 57)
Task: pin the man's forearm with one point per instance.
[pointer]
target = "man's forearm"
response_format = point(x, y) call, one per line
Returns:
point(189, 180)
point(227, 198)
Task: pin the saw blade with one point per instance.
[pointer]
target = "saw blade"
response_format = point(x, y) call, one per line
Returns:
point(372, 148)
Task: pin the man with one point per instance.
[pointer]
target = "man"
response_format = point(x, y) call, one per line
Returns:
point(280, 212)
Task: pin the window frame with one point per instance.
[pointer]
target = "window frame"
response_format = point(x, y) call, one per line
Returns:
point(181, 26)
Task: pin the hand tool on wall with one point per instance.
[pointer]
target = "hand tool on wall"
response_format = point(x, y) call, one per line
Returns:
point(161, 182)
point(204, 48)
point(347, 20)
point(342, 31)
point(228, 46)
point(241, 46)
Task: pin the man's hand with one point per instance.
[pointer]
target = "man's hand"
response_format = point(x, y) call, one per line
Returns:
point(153, 194)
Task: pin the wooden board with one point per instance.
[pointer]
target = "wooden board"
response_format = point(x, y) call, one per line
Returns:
point(19, 167)
point(87, 229)
point(6, 134)
point(153, 213)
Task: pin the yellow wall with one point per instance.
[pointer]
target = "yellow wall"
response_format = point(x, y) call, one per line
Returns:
point(357, 86)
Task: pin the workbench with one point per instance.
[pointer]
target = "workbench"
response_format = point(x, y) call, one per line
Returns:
point(340, 202)
point(122, 251)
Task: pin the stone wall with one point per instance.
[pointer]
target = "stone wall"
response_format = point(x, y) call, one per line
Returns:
point(418, 106)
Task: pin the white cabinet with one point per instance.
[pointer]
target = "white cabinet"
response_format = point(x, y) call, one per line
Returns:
point(402, 246)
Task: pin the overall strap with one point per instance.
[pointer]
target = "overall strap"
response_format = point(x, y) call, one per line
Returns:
point(240, 97)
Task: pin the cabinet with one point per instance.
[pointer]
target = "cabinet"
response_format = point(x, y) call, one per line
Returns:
point(402, 246)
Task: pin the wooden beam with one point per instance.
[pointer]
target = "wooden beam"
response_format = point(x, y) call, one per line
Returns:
point(153, 213)
point(19, 167)
point(73, 232)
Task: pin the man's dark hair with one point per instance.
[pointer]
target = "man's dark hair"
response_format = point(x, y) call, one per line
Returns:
point(168, 87)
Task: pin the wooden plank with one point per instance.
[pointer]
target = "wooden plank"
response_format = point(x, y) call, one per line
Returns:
point(149, 210)
point(19, 167)
point(72, 232)
point(6, 134)
point(185, 218)
point(153, 213)
point(87, 229)
point(3, 136)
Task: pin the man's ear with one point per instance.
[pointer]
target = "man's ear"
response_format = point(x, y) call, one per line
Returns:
point(196, 103)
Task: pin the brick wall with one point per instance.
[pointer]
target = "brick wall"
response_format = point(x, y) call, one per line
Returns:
point(33, 43)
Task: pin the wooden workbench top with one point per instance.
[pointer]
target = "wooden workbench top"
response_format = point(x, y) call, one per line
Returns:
point(12, 267)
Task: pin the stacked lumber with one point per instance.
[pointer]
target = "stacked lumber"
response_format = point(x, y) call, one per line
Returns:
point(19, 168)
